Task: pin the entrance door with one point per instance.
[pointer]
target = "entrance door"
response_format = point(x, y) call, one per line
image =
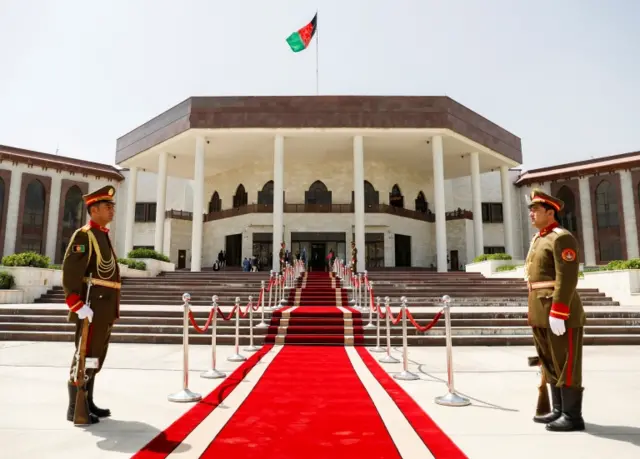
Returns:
point(403, 250)
point(182, 259)
point(455, 263)
point(233, 247)
point(317, 259)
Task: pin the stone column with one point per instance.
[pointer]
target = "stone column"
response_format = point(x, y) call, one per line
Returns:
point(439, 203)
point(507, 209)
point(587, 222)
point(161, 202)
point(198, 204)
point(358, 200)
point(629, 210)
point(278, 199)
point(54, 214)
point(132, 191)
point(476, 207)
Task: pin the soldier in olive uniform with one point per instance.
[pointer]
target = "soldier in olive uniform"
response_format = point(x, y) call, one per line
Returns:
point(281, 256)
point(555, 312)
point(354, 257)
point(90, 253)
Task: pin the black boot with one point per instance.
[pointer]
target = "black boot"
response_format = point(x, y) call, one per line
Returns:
point(71, 409)
point(556, 407)
point(571, 419)
point(99, 412)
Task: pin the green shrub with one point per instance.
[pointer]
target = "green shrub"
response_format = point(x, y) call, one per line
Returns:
point(55, 267)
point(147, 253)
point(616, 265)
point(31, 259)
point(506, 268)
point(493, 256)
point(133, 264)
point(6, 280)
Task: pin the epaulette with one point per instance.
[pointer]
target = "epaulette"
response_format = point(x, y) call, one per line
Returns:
point(85, 228)
point(559, 230)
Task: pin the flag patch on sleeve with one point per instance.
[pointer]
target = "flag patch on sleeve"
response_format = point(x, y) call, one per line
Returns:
point(77, 248)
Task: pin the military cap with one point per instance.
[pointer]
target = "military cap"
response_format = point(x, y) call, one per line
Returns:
point(104, 194)
point(540, 197)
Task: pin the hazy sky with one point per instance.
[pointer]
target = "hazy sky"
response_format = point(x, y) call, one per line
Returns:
point(563, 75)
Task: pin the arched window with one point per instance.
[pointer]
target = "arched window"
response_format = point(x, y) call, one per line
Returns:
point(32, 238)
point(240, 198)
point(72, 217)
point(317, 194)
point(568, 218)
point(215, 205)
point(265, 196)
point(371, 196)
point(421, 203)
point(395, 197)
point(608, 222)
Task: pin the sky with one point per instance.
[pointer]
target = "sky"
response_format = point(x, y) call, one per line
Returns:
point(563, 75)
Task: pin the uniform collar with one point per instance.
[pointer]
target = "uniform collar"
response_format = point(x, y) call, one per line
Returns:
point(544, 231)
point(94, 225)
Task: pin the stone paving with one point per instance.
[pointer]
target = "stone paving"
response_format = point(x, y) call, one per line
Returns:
point(137, 379)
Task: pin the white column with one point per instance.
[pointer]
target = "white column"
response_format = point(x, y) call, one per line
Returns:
point(476, 207)
point(161, 201)
point(358, 200)
point(629, 214)
point(13, 209)
point(278, 199)
point(52, 219)
point(198, 204)
point(132, 191)
point(439, 207)
point(587, 222)
point(507, 209)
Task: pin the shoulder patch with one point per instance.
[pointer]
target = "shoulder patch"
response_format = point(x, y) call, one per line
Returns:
point(569, 255)
point(559, 230)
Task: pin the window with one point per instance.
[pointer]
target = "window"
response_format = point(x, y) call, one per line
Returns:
point(608, 223)
point(240, 199)
point(395, 197)
point(317, 194)
point(265, 196)
point(491, 212)
point(421, 203)
point(33, 218)
point(215, 204)
point(72, 217)
point(145, 212)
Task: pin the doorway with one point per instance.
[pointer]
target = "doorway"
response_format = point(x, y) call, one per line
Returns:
point(182, 259)
point(318, 254)
point(403, 250)
point(454, 261)
point(233, 246)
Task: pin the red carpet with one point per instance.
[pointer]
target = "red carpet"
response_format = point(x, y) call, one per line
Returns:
point(309, 404)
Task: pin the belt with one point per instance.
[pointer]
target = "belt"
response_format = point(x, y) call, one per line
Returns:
point(542, 284)
point(104, 283)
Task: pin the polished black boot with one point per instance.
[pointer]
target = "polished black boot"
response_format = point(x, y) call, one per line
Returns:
point(556, 407)
point(571, 419)
point(99, 412)
point(71, 409)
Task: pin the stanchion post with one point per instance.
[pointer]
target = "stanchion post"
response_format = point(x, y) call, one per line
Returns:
point(262, 323)
point(387, 312)
point(451, 398)
point(185, 395)
point(251, 347)
point(237, 357)
point(377, 348)
point(213, 373)
point(405, 374)
point(370, 325)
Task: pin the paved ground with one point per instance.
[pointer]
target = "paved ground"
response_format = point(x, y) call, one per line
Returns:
point(137, 379)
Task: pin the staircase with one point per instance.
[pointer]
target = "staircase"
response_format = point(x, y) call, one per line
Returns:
point(317, 314)
point(487, 312)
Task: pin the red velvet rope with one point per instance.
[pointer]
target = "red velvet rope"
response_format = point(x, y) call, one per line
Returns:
point(206, 325)
point(427, 327)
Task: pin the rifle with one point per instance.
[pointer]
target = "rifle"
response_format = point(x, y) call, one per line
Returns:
point(544, 405)
point(80, 377)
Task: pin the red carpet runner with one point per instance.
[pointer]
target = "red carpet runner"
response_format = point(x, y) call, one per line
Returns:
point(310, 403)
point(318, 313)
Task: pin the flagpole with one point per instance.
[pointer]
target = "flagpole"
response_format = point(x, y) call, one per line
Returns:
point(317, 52)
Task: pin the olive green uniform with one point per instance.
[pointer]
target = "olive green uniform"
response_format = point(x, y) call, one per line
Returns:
point(90, 253)
point(281, 258)
point(354, 259)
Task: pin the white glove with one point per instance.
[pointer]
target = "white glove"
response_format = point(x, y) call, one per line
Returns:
point(85, 311)
point(557, 326)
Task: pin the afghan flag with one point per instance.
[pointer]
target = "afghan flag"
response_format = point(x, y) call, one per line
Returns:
point(299, 41)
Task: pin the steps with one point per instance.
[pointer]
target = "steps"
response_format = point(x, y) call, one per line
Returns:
point(317, 315)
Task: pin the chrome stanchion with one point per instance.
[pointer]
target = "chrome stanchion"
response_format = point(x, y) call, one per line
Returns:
point(213, 373)
point(270, 287)
point(251, 347)
point(283, 280)
point(451, 398)
point(405, 374)
point(185, 395)
point(370, 325)
point(237, 357)
point(387, 312)
point(262, 323)
point(359, 293)
point(377, 348)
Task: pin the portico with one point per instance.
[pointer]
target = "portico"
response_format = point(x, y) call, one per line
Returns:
point(216, 141)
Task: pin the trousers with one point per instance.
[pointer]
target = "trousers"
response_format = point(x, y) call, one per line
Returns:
point(560, 356)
